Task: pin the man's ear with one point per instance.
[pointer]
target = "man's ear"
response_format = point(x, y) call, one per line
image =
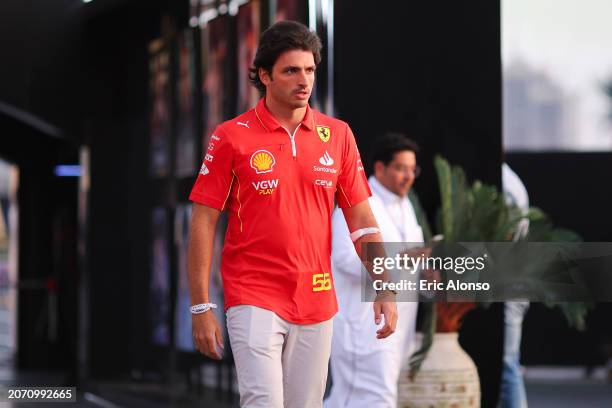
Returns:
point(264, 76)
point(379, 167)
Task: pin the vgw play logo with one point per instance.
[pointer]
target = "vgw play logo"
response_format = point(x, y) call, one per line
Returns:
point(265, 187)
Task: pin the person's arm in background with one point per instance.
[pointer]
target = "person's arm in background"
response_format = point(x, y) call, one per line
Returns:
point(358, 217)
point(344, 258)
point(206, 330)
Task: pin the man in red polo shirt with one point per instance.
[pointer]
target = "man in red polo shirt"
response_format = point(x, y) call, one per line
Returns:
point(277, 170)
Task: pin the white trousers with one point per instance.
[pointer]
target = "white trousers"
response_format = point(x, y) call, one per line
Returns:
point(365, 370)
point(278, 363)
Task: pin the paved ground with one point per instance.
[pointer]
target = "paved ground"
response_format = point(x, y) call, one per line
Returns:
point(545, 389)
point(569, 394)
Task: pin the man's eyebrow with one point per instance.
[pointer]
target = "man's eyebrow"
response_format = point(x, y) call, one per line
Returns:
point(296, 67)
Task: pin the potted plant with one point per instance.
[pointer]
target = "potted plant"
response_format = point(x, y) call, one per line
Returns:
point(440, 373)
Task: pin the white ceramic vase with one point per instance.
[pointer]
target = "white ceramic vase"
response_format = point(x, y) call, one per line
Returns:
point(447, 379)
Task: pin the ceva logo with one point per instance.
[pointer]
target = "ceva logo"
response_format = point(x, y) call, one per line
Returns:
point(324, 183)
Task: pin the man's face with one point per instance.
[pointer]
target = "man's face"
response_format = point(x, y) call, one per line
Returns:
point(398, 176)
point(292, 79)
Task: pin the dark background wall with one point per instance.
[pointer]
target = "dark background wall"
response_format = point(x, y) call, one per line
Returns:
point(40, 66)
point(429, 70)
point(571, 187)
point(122, 195)
point(47, 269)
point(83, 69)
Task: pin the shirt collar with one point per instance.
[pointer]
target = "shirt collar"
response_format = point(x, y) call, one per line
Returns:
point(270, 123)
point(383, 193)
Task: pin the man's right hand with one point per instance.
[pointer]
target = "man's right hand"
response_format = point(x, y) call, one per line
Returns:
point(207, 334)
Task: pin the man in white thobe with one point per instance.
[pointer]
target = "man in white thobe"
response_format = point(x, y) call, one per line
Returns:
point(365, 370)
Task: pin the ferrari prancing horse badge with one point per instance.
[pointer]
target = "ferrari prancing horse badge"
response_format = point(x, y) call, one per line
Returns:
point(324, 133)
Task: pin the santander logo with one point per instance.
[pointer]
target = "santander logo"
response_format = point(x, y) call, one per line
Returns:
point(326, 159)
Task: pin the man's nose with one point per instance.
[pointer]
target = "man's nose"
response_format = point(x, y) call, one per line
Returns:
point(303, 78)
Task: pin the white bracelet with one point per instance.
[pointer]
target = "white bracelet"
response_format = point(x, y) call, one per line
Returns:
point(355, 235)
point(202, 307)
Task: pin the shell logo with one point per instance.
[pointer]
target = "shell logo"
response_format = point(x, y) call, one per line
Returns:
point(262, 161)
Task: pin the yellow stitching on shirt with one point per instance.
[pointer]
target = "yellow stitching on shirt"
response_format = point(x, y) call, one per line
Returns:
point(238, 198)
point(347, 200)
point(229, 190)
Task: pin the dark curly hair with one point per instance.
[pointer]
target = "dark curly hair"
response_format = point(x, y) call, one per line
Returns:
point(390, 143)
point(278, 38)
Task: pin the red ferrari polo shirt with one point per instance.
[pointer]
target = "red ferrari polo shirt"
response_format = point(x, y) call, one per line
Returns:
point(279, 190)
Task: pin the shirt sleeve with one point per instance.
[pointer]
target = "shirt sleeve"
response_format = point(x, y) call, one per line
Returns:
point(214, 182)
point(353, 185)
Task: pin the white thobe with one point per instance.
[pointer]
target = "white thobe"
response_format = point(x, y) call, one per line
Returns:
point(364, 369)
